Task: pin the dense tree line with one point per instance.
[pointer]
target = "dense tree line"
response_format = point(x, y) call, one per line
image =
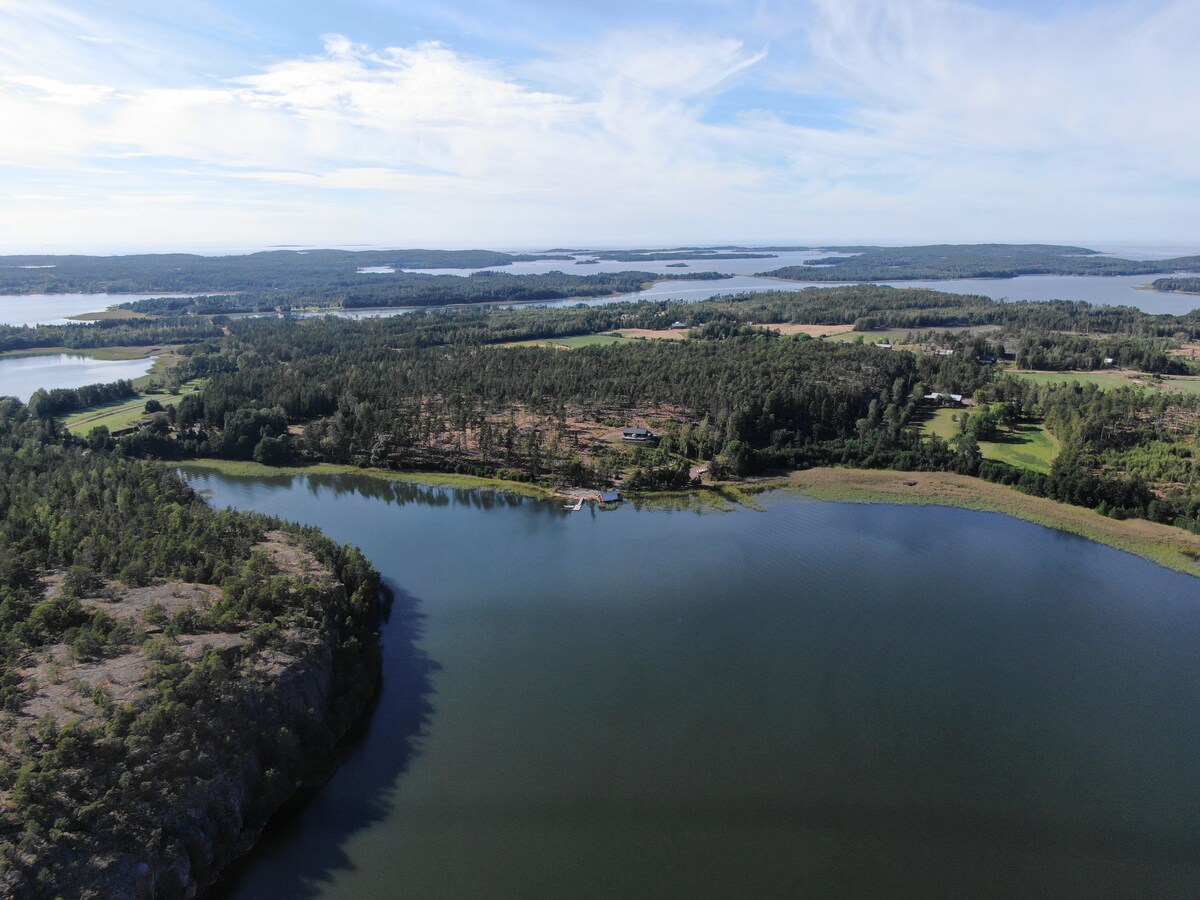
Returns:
point(186, 272)
point(1177, 285)
point(414, 289)
point(108, 333)
point(1058, 351)
point(58, 401)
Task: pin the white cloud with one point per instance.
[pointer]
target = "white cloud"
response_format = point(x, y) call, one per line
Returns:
point(958, 122)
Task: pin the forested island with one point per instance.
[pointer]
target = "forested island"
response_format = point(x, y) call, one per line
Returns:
point(187, 272)
point(285, 280)
point(944, 261)
point(405, 289)
point(1177, 285)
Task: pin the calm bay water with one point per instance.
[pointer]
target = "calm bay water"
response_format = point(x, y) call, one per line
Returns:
point(56, 309)
point(815, 700)
point(1125, 290)
point(20, 376)
point(1121, 290)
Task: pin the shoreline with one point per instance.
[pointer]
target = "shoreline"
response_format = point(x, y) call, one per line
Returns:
point(103, 353)
point(1165, 545)
point(248, 468)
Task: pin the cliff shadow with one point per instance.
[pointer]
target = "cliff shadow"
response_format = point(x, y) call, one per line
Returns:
point(301, 849)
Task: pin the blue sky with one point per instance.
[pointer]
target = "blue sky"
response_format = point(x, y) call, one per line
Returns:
point(206, 125)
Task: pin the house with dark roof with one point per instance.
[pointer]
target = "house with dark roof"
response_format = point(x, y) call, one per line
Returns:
point(637, 435)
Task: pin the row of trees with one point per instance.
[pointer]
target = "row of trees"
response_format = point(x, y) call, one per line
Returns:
point(45, 404)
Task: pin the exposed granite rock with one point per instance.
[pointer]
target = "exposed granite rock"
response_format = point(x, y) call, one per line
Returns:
point(290, 702)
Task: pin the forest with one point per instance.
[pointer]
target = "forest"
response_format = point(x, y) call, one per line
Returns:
point(454, 390)
point(354, 291)
point(187, 272)
point(109, 333)
point(451, 389)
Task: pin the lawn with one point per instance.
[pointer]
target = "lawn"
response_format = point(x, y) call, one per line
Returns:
point(1029, 445)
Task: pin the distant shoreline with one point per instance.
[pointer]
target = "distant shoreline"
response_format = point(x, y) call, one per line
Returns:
point(1171, 547)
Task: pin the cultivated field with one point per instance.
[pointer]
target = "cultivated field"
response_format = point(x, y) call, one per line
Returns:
point(1116, 379)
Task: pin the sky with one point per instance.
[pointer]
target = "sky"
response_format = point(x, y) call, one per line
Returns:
point(207, 125)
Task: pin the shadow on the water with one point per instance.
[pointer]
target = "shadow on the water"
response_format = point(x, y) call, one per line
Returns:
point(301, 848)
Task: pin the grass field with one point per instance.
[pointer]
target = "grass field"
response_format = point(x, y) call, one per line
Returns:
point(1029, 445)
point(107, 315)
point(113, 416)
point(1114, 380)
point(1171, 547)
point(891, 336)
point(898, 335)
point(124, 413)
point(573, 342)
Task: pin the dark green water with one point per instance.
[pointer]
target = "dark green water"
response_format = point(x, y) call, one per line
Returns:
point(815, 700)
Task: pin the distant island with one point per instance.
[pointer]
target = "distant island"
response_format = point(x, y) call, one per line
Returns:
point(1177, 285)
point(280, 280)
point(945, 261)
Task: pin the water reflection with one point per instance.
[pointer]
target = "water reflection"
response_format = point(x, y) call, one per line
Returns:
point(824, 699)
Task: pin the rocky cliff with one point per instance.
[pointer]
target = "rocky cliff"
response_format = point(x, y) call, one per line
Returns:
point(143, 773)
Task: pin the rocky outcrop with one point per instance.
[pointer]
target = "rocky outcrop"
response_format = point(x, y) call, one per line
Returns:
point(238, 723)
